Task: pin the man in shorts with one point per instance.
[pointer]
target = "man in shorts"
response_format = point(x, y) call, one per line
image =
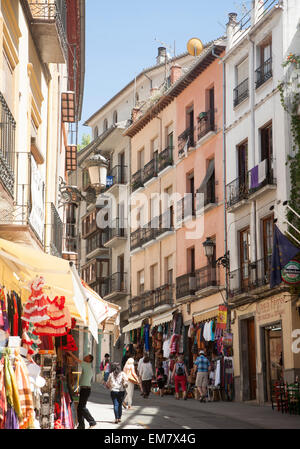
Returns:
point(202, 364)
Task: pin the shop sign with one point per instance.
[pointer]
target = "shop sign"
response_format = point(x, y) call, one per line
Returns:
point(291, 272)
point(272, 308)
point(109, 181)
point(227, 339)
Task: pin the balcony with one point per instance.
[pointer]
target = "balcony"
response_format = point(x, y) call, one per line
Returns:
point(241, 92)
point(251, 279)
point(95, 244)
point(7, 147)
point(116, 286)
point(186, 140)
point(117, 233)
point(185, 287)
point(153, 300)
point(49, 28)
point(207, 281)
point(185, 208)
point(157, 228)
point(137, 180)
point(257, 180)
point(56, 232)
point(118, 175)
point(150, 170)
point(165, 158)
point(206, 123)
point(263, 73)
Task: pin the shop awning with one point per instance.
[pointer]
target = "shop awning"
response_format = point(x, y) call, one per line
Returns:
point(20, 264)
point(131, 326)
point(163, 318)
point(206, 315)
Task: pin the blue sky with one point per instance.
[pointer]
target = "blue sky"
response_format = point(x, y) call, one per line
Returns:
point(120, 39)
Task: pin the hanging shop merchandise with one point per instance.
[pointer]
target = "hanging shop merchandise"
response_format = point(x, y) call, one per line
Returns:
point(36, 383)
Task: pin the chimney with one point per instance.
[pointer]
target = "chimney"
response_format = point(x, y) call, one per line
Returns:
point(176, 72)
point(162, 55)
point(230, 30)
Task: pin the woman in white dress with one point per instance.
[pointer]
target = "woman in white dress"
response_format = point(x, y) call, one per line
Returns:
point(133, 380)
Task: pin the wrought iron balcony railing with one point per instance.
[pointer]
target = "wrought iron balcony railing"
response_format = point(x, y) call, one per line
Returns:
point(151, 299)
point(118, 175)
point(117, 229)
point(7, 146)
point(206, 277)
point(185, 208)
point(250, 276)
point(264, 73)
point(165, 158)
point(206, 123)
point(116, 283)
point(137, 180)
point(56, 232)
point(186, 140)
point(185, 285)
point(155, 228)
point(241, 92)
point(96, 241)
point(150, 170)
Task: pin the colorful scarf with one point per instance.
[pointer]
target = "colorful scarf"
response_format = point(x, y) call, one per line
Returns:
point(11, 388)
point(25, 394)
point(3, 402)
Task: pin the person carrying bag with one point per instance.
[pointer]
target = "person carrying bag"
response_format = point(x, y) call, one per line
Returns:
point(132, 381)
point(117, 383)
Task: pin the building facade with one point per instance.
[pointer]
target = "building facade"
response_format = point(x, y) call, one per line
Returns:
point(257, 149)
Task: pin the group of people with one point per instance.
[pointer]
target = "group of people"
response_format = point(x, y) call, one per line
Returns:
point(121, 379)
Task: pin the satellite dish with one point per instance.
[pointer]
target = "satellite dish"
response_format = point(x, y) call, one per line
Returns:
point(194, 46)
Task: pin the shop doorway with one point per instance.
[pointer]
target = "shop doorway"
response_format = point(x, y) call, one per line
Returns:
point(248, 359)
point(272, 355)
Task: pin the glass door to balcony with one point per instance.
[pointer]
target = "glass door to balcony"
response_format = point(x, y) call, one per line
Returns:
point(245, 258)
point(242, 168)
point(268, 232)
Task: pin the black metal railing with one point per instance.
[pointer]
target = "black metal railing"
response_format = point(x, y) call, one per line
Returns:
point(165, 158)
point(206, 277)
point(7, 146)
point(151, 299)
point(242, 187)
point(166, 222)
point(185, 208)
point(116, 283)
point(241, 92)
point(237, 190)
point(186, 140)
point(185, 285)
point(206, 123)
point(137, 180)
point(150, 170)
point(47, 11)
point(70, 238)
point(263, 73)
point(117, 229)
point(249, 276)
point(156, 227)
point(96, 241)
point(206, 197)
point(56, 232)
point(117, 175)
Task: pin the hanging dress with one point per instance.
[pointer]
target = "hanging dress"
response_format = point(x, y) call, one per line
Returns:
point(59, 319)
point(35, 309)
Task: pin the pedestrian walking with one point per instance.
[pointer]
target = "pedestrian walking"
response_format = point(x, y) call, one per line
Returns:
point(105, 367)
point(117, 383)
point(180, 375)
point(202, 364)
point(140, 362)
point(133, 380)
point(85, 383)
point(146, 373)
point(160, 378)
point(125, 357)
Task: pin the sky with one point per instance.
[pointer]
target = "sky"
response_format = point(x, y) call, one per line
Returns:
point(122, 38)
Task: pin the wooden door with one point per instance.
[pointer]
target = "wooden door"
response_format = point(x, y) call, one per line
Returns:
point(251, 358)
point(243, 165)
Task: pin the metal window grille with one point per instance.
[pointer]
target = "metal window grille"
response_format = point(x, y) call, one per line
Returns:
point(7, 145)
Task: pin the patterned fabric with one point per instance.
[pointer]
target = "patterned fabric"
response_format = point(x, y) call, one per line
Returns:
point(25, 394)
point(58, 321)
point(11, 387)
point(202, 364)
point(3, 402)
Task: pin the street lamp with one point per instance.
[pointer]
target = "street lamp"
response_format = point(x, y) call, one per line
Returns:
point(97, 167)
point(209, 247)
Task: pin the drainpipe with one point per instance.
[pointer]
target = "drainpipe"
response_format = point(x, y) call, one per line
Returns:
point(224, 172)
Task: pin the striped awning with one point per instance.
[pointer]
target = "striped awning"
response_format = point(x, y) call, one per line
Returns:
point(206, 315)
point(163, 318)
point(132, 326)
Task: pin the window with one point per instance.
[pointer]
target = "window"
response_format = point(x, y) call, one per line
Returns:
point(242, 157)
point(245, 256)
point(264, 71)
point(115, 117)
point(140, 282)
point(169, 270)
point(85, 179)
point(266, 141)
point(105, 125)
point(241, 92)
point(7, 144)
point(141, 159)
point(154, 276)
point(96, 132)
point(191, 260)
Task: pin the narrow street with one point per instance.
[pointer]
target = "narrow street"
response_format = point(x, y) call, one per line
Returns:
point(167, 413)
